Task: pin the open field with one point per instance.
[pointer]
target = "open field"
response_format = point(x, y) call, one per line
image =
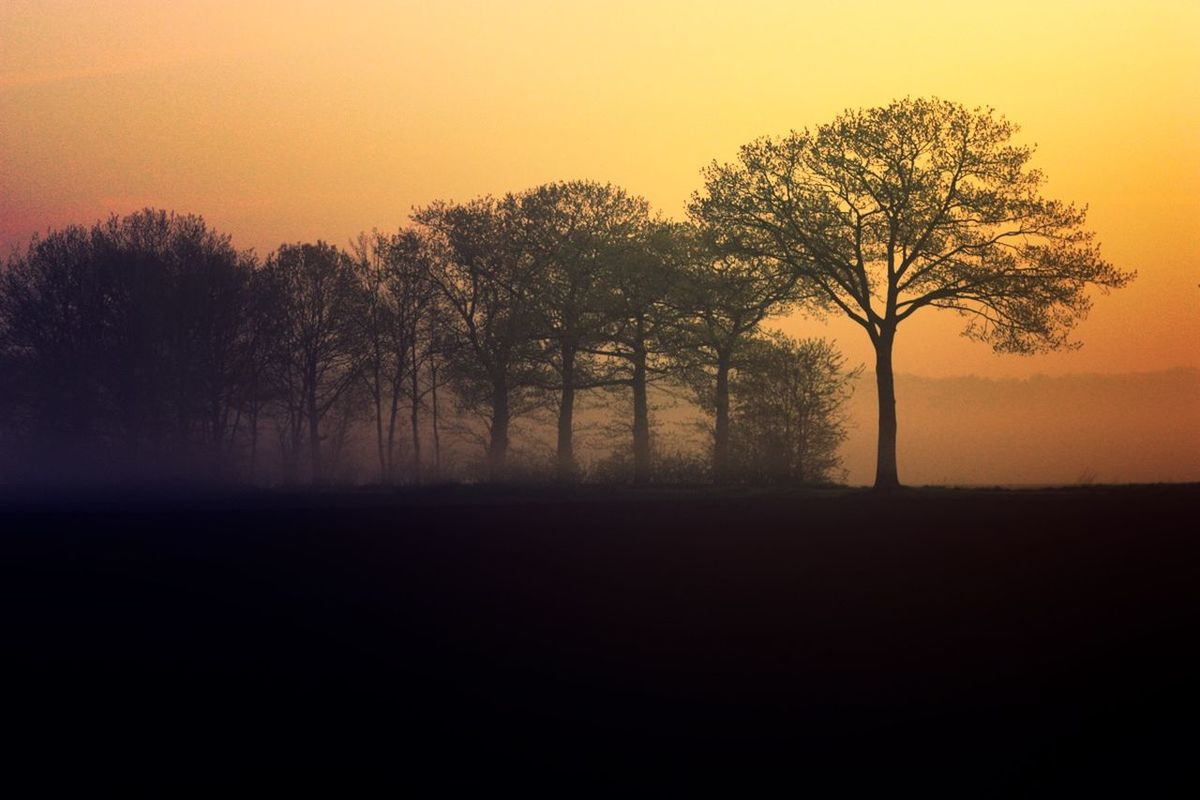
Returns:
point(985, 641)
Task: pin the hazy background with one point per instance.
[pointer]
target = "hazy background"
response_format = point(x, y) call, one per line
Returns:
point(293, 120)
point(1140, 427)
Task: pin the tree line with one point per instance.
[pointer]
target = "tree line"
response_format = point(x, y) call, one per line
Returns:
point(150, 343)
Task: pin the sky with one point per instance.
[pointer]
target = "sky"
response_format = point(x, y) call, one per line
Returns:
point(289, 121)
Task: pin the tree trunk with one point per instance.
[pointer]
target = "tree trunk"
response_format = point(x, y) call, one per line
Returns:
point(314, 433)
point(498, 446)
point(415, 413)
point(641, 420)
point(566, 416)
point(228, 449)
point(393, 411)
point(886, 476)
point(437, 441)
point(289, 447)
point(721, 427)
point(290, 443)
point(253, 438)
point(377, 397)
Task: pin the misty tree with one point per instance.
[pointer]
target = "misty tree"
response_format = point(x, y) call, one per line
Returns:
point(263, 332)
point(574, 231)
point(421, 309)
point(127, 341)
point(486, 273)
point(438, 348)
point(722, 300)
point(316, 353)
point(385, 350)
point(396, 295)
point(643, 330)
point(53, 317)
point(918, 204)
point(788, 413)
point(212, 341)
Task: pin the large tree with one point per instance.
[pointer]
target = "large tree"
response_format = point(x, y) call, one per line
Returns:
point(918, 204)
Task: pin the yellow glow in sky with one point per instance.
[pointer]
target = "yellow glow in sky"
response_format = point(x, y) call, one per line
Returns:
point(291, 120)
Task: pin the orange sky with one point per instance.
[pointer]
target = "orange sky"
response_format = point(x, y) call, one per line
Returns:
point(293, 120)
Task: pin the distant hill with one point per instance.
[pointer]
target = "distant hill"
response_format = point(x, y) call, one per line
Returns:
point(1126, 428)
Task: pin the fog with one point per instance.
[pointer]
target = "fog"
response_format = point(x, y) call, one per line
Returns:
point(1070, 429)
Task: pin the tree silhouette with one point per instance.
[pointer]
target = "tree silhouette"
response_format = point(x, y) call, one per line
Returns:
point(485, 269)
point(259, 389)
point(396, 294)
point(722, 299)
point(788, 409)
point(316, 356)
point(643, 324)
point(125, 344)
point(917, 204)
point(574, 230)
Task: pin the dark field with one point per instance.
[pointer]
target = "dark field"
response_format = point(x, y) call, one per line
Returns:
point(986, 642)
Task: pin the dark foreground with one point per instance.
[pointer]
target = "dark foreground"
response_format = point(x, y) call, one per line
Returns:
point(981, 642)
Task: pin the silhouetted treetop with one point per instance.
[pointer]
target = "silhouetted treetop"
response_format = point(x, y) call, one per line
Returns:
point(123, 344)
point(918, 203)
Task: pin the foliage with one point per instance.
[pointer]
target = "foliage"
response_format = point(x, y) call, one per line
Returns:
point(148, 342)
point(722, 299)
point(316, 352)
point(125, 345)
point(918, 204)
point(789, 417)
point(485, 271)
point(921, 203)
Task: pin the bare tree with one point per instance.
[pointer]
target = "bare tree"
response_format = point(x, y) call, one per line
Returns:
point(917, 204)
point(316, 354)
point(397, 296)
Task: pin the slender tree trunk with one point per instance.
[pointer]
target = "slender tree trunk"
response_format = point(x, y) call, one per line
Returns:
point(229, 449)
point(393, 412)
point(314, 433)
point(253, 437)
point(415, 414)
point(886, 476)
point(566, 416)
point(218, 426)
point(377, 397)
point(498, 446)
point(641, 420)
point(290, 454)
point(437, 441)
point(721, 428)
point(294, 432)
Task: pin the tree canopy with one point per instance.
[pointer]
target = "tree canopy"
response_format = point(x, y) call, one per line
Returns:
point(149, 340)
point(922, 203)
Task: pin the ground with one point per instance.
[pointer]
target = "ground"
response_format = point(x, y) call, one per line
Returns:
point(986, 642)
